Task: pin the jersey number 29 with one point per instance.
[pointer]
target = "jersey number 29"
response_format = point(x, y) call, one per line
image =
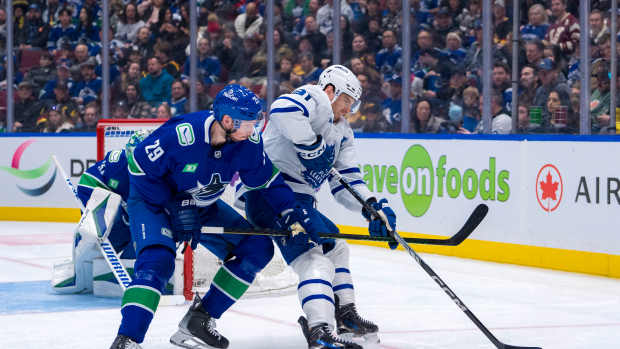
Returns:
point(154, 151)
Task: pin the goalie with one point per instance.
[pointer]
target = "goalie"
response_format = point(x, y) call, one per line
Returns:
point(103, 190)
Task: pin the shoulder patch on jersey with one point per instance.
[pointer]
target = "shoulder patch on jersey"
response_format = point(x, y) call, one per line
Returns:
point(254, 137)
point(115, 156)
point(185, 134)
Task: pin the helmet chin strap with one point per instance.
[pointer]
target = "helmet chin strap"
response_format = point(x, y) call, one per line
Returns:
point(227, 136)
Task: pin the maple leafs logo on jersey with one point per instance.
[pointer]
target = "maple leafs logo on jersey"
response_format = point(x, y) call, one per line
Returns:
point(206, 194)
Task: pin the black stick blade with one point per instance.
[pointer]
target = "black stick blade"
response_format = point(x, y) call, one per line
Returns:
point(470, 225)
point(508, 346)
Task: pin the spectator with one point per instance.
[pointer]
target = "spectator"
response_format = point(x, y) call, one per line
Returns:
point(424, 41)
point(178, 100)
point(131, 76)
point(565, 31)
point(501, 123)
point(502, 25)
point(64, 103)
point(80, 55)
point(534, 52)
point(561, 123)
point(316, 38)
point(27, 109)
point(64, 29)
point(442, 25)
point(152, 12)
point(469, 16)
point(208, 67)
point(600, 101)
point(358, 46)
point(391, 18)
point(242, 64)
point(63, 75)
point(19, 19)
point(471, 108)
point(285, 67)
point(170, 33)
point(40, 75)
point(391, 106)
point(311, 73)
point(138, 108)
point(129, 24)
point(425, 121)
point(88, 88)
point(87, 30)
point(435, 71)
point(548, 75)
point(144, 42)
point(163, 111)
point(370, 119)
point(359, 67)
point(204, 100)
point(528, 84)
point(537, 25)
point(163, 52)
point(372, 11)
point(120, 111)
point(51, 12)
point(247, 25)
point(523, 120)
point(454, 47)
point(598, 28)
point(325, 14)
point(89, 119)
point(387, 58)
point(229, 48)
point(501, 82)
point(373, 35)
point(55, 121)
point(37, 30)
point(155, 86)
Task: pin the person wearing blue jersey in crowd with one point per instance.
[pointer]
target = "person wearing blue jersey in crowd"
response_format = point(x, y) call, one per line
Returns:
point(177, 175)
point(105, 176)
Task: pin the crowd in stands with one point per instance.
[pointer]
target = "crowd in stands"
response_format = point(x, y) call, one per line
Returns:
point(58, 81)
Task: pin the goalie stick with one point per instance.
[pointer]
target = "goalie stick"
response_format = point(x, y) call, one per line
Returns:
point(498, 344)
point(110, 255)
point(473, 221)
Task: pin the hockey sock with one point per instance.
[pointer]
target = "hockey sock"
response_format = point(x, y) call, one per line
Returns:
point(235, 276)
point(153, 268)
point(343, 282)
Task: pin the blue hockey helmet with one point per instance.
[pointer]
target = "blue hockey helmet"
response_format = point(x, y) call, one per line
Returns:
point(239, 103)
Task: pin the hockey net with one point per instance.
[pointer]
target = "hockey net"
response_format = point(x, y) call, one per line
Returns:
point(200, 265)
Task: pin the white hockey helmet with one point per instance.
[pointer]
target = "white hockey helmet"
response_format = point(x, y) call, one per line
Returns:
point(344, 81)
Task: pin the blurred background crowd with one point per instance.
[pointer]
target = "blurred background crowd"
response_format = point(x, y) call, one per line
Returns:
point(58, 60)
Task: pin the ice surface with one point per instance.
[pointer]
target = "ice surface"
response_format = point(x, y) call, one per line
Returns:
point(521, 306)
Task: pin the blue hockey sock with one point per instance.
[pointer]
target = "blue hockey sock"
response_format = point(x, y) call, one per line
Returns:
point(236, 275)
point(153, 268)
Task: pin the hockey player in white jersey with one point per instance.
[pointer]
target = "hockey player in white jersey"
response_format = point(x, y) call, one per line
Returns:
point(306, 136)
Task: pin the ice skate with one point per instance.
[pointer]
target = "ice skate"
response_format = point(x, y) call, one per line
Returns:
point(124, 342)
point(197, 330)
point(351, 324)
point(322, 337)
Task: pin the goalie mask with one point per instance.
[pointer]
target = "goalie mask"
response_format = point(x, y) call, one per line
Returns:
point(344, 81)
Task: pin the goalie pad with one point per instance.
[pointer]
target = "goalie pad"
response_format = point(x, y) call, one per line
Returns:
point(76, 275)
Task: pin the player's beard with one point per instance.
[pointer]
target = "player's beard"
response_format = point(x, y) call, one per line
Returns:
point(243, 132)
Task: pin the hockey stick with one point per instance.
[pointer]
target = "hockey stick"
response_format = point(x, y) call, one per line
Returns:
point(109, 253)
point(107, 250)
point(425, 266)
point(455, 240)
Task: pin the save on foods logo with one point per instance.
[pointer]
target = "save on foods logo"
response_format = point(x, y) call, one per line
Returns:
point(549, 187)
point(419, 180)
point(30, 175)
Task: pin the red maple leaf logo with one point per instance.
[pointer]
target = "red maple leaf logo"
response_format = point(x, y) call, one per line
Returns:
point(549, 187)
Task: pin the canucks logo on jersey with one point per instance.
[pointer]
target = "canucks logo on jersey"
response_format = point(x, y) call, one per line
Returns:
point(205, 195)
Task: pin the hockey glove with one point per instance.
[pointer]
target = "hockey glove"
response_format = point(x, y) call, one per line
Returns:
point(185, 221)
point(376, 226)
point(298, 222)
point(318, 159)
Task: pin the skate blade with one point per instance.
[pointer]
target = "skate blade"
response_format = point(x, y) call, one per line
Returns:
point(368, 338)
point(186, 340)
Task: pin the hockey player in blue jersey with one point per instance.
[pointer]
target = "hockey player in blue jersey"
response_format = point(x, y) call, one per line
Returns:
point(108, 177)
point(177, 175)
point(306, 136)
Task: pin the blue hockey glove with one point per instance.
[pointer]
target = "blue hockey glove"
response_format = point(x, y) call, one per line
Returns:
point(298, 222)
point(185, 221)
point(318, 159)
point(376, 226)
